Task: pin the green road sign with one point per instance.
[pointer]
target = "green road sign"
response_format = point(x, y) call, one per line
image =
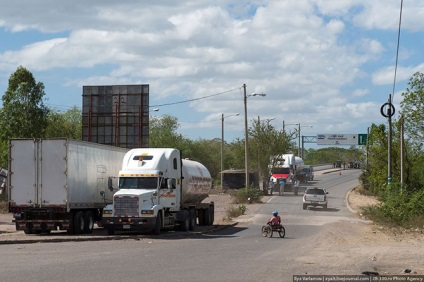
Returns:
point(362, 139)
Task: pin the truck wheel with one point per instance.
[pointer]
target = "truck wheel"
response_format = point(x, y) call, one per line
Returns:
point(28, 231)
point(89, 222)
point(192, 220)
point(186, 221)
point(207, 217)
point(325, 206)
point(79, 223)
point(200, 216)
point(158, 225)
point(212, 209)
point(304, 206)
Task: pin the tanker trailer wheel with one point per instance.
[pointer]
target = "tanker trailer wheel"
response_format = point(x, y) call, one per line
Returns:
point(192, 220)
point(185, 223)
point(212, 208)
point(79, 223)
point(200, 216)
point(207, 216)
point(89, 222)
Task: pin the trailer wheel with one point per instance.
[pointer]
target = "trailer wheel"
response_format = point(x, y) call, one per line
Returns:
point(212, 209)
point(88, 222)
point(192, 219)
point(158, 225)
point(79, 223)
point(200, 216)
point(207, 216)
point(185, 224)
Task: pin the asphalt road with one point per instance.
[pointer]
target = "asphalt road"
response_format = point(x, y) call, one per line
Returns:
point(238, 253)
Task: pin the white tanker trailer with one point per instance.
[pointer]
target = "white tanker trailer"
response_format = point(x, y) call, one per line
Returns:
point(158, 189)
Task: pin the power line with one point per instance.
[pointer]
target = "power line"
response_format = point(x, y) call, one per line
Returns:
point(196, 99)
point(397, 50)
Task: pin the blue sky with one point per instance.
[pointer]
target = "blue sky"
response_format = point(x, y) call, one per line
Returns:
point(325, 63)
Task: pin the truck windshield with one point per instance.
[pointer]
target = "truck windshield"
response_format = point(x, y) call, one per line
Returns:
point(281, 170)
point(138, 182)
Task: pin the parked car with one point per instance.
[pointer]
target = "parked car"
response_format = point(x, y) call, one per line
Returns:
point(315, 197)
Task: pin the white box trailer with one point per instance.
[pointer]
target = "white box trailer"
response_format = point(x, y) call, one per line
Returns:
point(60, 183)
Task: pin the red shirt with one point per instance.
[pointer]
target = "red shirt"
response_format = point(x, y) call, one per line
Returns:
point(275, 220)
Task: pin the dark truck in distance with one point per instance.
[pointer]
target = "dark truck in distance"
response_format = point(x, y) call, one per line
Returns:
point(307, 173)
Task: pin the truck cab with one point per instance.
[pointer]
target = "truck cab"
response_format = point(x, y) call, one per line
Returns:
point(154, 193)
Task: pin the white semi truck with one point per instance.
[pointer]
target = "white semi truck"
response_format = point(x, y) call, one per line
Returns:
point(158, 189)
point(60, 183)
point(286, 167)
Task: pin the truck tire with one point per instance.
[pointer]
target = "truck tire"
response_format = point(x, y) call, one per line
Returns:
point(304, 206)
point(28, 231)
point(212, 209)
point(79, 223)
point(207, 216)
point(185, 223)
point(158, 225)
point(88, 222)
point(192, 220)
point(200, 217)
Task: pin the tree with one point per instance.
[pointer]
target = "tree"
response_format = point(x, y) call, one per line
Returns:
point(163, 133)
point(412, 109)
point(265, 143)
point(24, 114)
point(67, 124)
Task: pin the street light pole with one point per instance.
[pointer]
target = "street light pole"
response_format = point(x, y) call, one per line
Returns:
point(246, 154)
point(298, 146)
point(246, 134)
point(222, 151)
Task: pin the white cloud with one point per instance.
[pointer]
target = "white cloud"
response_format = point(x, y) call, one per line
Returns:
point(309, 56)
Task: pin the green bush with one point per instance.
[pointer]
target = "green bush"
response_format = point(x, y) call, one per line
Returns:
point(404, 209)
point(248, 196)
point(234, 211)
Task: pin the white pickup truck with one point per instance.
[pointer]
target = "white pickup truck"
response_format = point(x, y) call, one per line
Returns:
point(315, 197)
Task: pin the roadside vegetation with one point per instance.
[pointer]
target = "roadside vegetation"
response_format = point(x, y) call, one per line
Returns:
point(25, 115)
point(402, 204)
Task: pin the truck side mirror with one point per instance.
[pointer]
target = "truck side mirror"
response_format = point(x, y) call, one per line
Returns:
point(109, 184)
point(169, 184)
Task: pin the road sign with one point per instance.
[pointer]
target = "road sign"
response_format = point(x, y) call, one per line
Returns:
point(341, 139)
point(362, 139)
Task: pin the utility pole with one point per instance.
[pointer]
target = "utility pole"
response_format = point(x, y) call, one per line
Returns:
point(246, 140)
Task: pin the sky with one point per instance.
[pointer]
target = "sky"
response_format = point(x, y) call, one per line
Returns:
point(328, 65)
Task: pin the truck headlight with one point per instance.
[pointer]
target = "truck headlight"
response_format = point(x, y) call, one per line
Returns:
point(147, 212)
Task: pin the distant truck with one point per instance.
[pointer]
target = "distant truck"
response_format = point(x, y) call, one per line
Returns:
point(307, 173)
point(60, 183)
point(286, 168)
point(157, 190)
